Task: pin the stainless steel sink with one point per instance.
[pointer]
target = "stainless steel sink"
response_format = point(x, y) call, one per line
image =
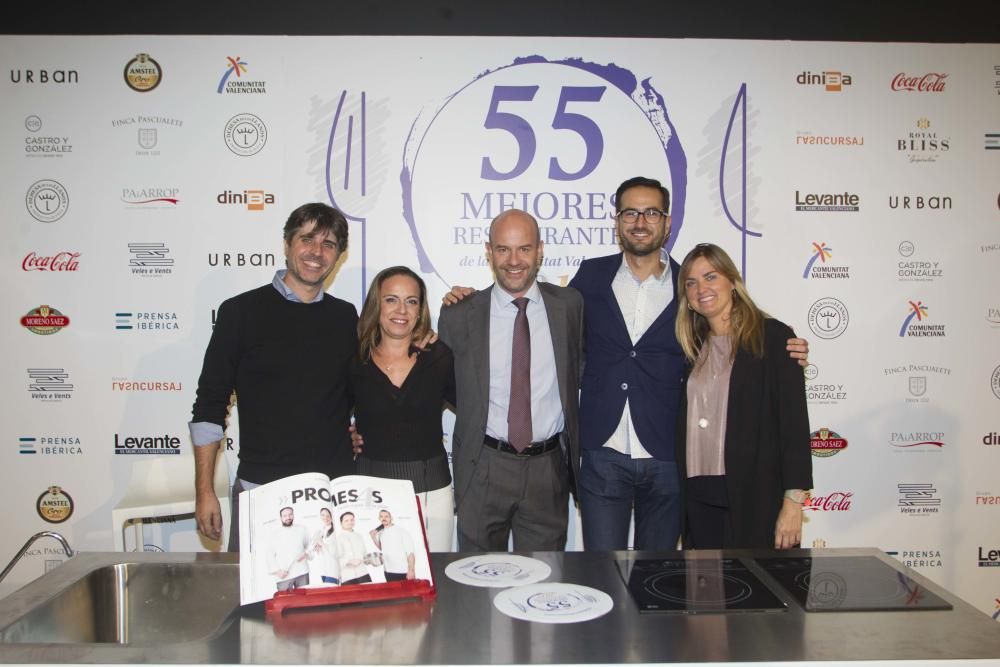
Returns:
point(131, 603)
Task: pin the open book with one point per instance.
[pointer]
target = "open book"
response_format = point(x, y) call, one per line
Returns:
point(308, 531)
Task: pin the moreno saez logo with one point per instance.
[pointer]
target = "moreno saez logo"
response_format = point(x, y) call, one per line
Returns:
point(915, 324)
point(821, 266)
point(918, 498)
point(146, 321)
point(44, 321)
point(234, 81)
point(835, 501)
point(31, 75)
point(254, 200)
point(923, 144)
point(151, 259)
point(49, 384)
point(834, 202)
point(150, 197)
point(133, 445)
point(989, 557)
point(824, 443)
point(145, 386)
point(65, 260)
point(832, 81)
point(240, 259)
point(49, 445)
point(923, 441)
point(931, 82)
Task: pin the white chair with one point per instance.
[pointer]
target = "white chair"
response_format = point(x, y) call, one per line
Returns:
point(164, 486)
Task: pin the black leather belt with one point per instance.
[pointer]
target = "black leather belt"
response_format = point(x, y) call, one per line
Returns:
point(534, 449)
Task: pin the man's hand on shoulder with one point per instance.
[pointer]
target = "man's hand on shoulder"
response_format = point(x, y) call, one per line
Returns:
point(456, 294)
point(798, 348)
point(429, 339)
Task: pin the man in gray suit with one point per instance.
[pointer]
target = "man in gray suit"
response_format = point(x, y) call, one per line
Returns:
point(511, 476)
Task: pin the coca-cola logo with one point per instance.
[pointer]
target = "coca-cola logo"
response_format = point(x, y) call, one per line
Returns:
point(932, 82)
point(61, 261)
point(837, 501)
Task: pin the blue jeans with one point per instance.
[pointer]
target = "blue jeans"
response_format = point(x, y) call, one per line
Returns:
point(612, 484)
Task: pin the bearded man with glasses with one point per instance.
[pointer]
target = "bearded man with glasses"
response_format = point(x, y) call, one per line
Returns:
point(633, 380)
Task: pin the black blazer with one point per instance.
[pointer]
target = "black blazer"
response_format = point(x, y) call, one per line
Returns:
point(767, 437)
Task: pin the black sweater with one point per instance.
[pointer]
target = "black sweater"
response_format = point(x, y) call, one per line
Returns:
point(289, 364)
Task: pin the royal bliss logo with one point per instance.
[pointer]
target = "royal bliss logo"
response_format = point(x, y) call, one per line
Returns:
point(47, 200)
point(245, 134)
point(828, 318)
point(49, 385)
point(805, 138)
point(932, 82)
point(49, 445)
point(44, 321)
point(832, 81)
point(825, 443)
point(240, 259)
point(60, 261)
point(254, 200)
point(150, 260)
point(917, 441)
point(37, 145)
point(54, 505)
point(923, 144)
point(234, 81)
point(918, 498)
point(915, 324)
point(150, 197)
point(142, 73)
point(839, 202)
point(146, 321)
point(139, 445)
point(835, 501)
point(44, 76)
point(821, 267)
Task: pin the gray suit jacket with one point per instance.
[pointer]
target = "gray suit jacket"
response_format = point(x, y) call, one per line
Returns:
point(465, 328)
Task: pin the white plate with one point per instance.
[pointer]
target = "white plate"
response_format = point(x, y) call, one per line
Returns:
point(497, 570)
point(553, 603)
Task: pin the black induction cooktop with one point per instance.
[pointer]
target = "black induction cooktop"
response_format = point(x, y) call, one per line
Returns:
point(678, 585)
point(849, 583)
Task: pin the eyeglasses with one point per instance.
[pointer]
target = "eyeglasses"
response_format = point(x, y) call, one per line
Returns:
point(630, 215)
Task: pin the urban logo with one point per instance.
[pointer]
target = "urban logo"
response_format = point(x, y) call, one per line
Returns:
point(240, 259)
point(831, 80)
point(844, 202)
point(44, 76)
point(918, 498)
point(150, 259)
point(54, 505)
point(49, 384)
point(825, 443)
point(822, 253)
point(142, 73)
point(837, 501)
point(44, 321)
point(254, 200)
point(922, 145)
point(61, 261)
point(912, 326)
point(828, 318)
point(919, 441)
point(240, 85)
point(49, 445)
point(146, 321)
point(805, 138)
point(920, 202)
point(932, 82)
point(150, 197)
point(146, 445)
point(47, 200)
point(245, 134)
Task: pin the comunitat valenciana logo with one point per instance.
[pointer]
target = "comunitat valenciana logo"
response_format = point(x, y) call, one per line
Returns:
point(818, 266)
point(143, 73)
point(54, 505)
point(915, 323)
point(233, 80)
point(825, 443)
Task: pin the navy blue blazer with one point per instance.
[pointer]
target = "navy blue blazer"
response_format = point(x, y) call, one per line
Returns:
point(651, 374)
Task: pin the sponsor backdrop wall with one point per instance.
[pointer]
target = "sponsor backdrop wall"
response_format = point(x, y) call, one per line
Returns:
point(146, 179)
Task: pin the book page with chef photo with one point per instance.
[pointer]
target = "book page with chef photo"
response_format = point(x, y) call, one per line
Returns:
point(306, 531)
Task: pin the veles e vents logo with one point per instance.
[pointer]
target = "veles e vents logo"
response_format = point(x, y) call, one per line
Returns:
point(150, 259)
point(49, 384)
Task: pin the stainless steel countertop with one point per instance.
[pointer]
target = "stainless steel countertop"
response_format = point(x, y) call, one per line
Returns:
point(462, 627)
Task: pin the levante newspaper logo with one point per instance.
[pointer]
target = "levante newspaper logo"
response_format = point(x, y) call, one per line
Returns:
point(914, 324)
point(821, 254)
